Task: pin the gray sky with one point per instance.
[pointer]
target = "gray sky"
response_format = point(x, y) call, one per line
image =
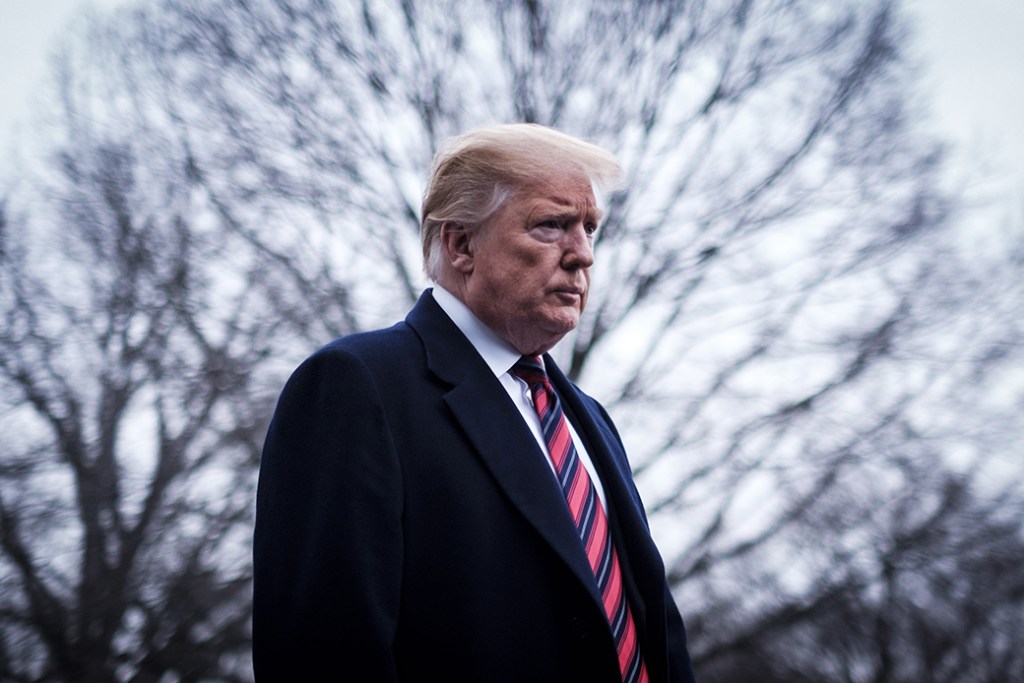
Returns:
point(972, 53)
point(28, 29)
point(973, 58)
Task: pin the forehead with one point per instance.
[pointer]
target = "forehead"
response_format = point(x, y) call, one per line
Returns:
point(568, 191)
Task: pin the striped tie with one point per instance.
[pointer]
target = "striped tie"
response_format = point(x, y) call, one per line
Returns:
point(588, 514)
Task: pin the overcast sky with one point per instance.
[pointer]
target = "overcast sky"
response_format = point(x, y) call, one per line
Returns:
point(973, 56)
point(972, 52)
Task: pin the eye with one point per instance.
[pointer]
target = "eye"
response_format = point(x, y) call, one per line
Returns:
point(547, 230)
point(590, 228)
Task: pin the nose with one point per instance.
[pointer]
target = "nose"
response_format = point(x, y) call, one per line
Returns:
point(578, 248)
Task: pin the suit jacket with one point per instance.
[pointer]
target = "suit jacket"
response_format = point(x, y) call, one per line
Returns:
point(408, 528)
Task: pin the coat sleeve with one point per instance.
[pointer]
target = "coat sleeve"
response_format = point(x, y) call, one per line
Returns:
point(327, 548)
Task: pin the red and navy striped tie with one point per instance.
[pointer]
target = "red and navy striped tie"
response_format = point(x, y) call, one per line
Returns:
point(586, 510)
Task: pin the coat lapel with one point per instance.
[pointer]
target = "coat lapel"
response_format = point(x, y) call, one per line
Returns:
point(493, 424)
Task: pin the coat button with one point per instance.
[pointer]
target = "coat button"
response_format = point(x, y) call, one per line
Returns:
point(579, 628)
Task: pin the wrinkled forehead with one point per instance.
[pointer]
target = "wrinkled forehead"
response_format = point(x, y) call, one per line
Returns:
point(568, 188)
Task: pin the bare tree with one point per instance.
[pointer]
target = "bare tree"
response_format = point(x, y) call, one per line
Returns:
point(785, 324)
point(132, 417)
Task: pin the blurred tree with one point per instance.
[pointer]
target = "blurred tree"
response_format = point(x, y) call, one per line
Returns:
point(132, 421)
point(783, 324)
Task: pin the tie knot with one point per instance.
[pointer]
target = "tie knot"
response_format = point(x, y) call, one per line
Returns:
point(530, 369)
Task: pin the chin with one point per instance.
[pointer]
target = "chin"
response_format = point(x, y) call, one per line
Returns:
point(570, 320)
point(562, 327)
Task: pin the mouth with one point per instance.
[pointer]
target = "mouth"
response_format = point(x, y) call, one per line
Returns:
point(569, 293)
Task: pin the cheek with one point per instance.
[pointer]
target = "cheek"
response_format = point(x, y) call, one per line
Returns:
point(525, 273)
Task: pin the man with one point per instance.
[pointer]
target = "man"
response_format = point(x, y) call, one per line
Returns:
point(436, 501)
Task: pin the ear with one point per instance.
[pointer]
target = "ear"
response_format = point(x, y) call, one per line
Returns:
point(457, 242)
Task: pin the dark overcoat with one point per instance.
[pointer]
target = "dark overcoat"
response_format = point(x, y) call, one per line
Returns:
point(408, 528)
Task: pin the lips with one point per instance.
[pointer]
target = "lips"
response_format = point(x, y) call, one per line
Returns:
point(570, 288)
point(571, 294)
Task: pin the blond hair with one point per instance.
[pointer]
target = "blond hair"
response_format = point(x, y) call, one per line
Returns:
point(475, 173)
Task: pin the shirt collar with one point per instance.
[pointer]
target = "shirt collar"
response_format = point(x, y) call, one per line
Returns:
point(496, 352)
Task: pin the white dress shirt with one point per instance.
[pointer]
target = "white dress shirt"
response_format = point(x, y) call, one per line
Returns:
point(499, 356)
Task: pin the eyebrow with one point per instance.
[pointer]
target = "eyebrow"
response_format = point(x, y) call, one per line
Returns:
point(564, 209)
